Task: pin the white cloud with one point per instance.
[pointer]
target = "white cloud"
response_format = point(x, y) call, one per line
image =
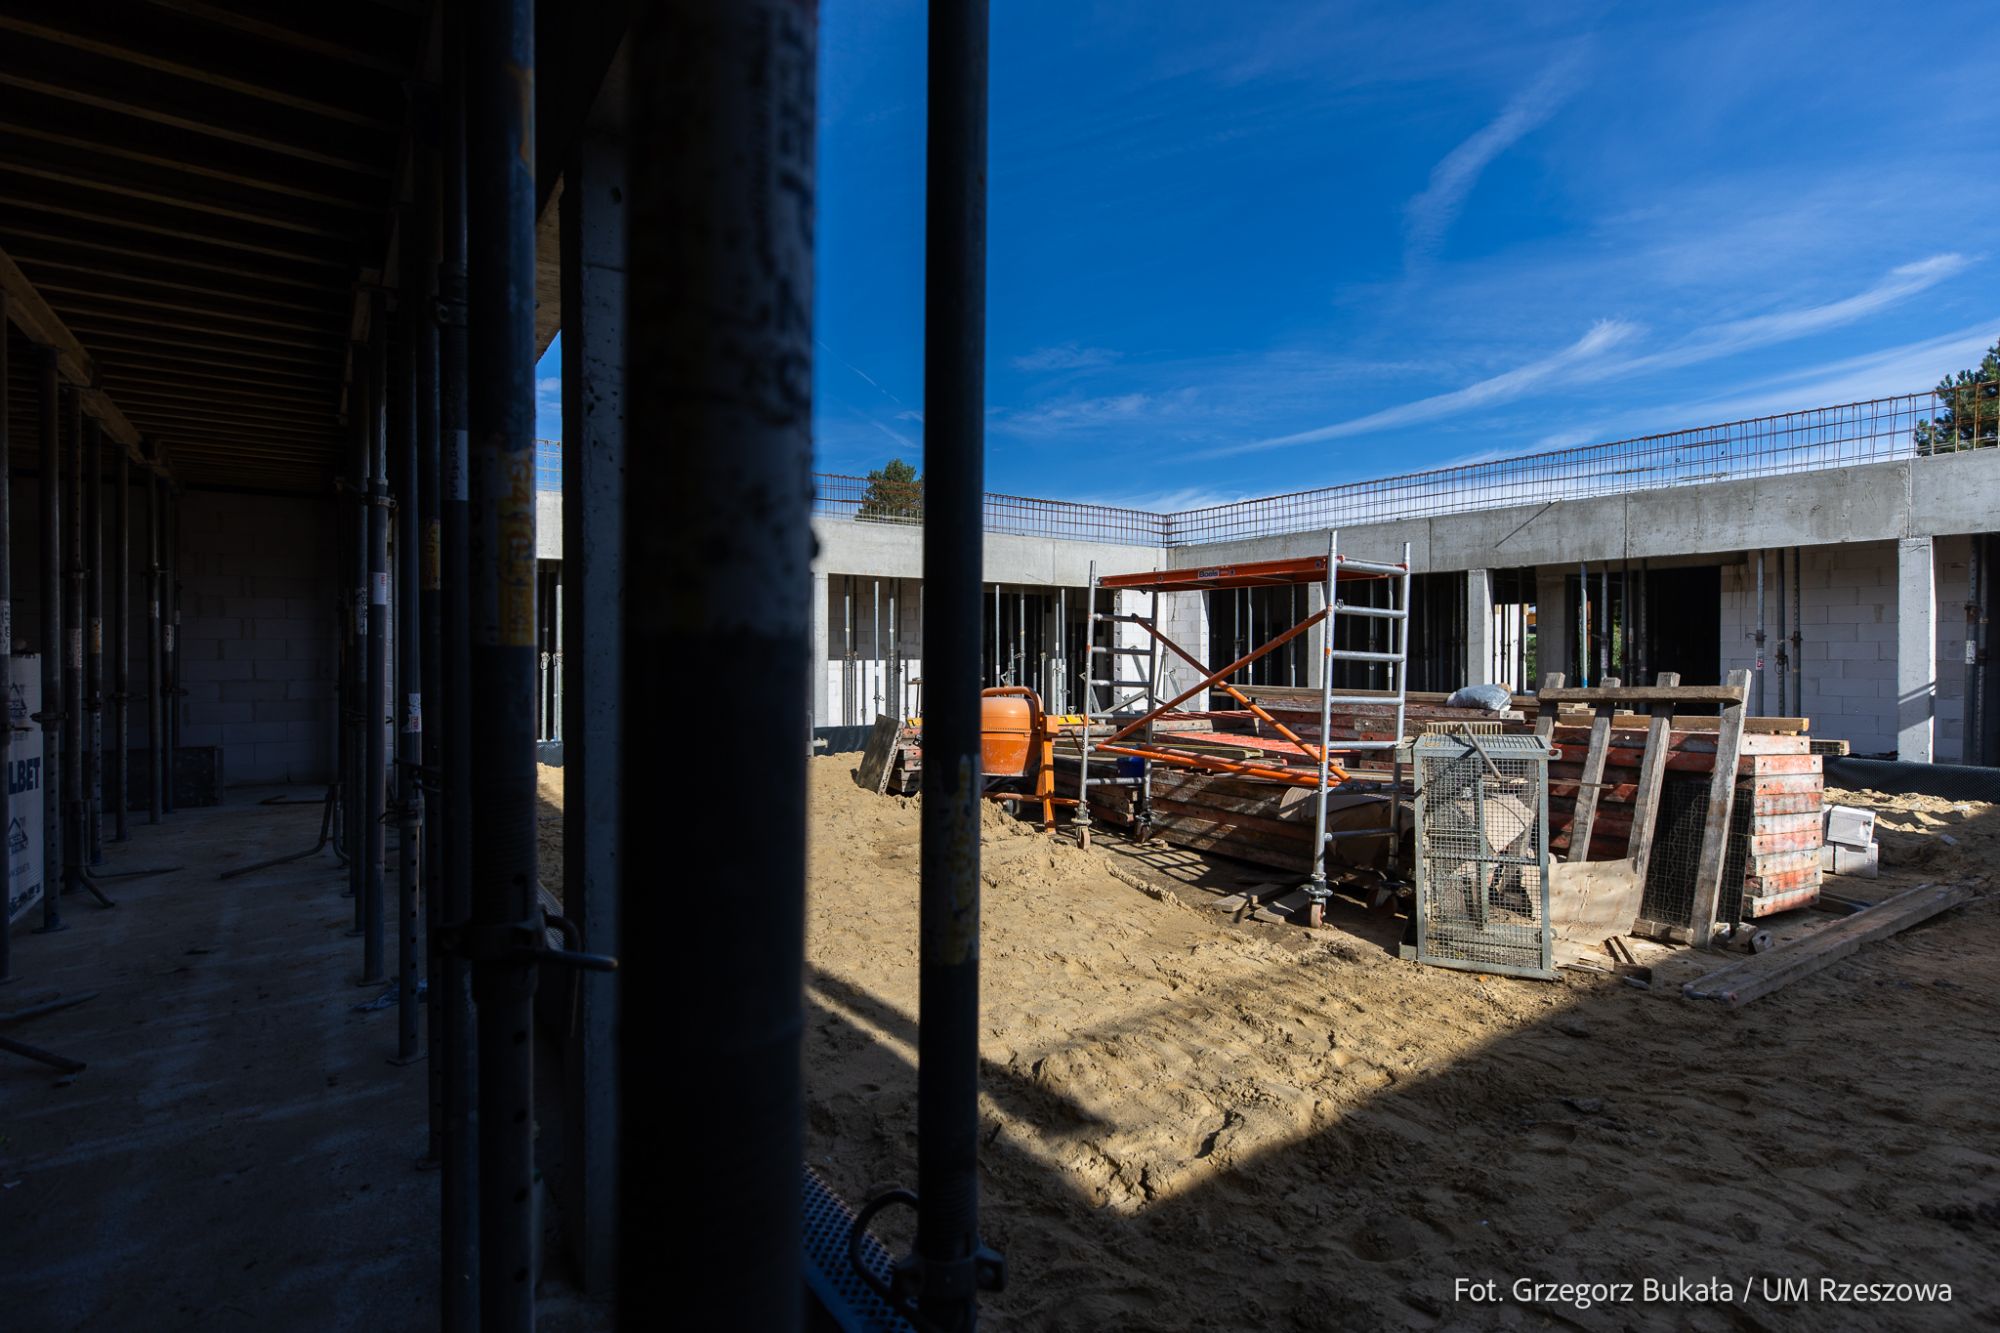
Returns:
point(1602, 337)
point(1430, 214)
point(1065, 356)
point(1071, 414)
point(1784, 325)
point(1586, 361)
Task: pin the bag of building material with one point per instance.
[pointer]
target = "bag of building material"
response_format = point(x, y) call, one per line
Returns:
point(1493, 698)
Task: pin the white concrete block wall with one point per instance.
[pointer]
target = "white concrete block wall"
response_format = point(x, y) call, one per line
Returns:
point(1848, 638)
point(871, 678)
point(258, 635)
point(1184, 619)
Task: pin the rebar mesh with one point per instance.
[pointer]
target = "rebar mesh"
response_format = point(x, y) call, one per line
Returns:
point(1675, 860)
point(1879, 430)
point(1483, 854)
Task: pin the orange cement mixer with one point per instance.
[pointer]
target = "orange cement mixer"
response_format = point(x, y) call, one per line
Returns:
point(1010, 718)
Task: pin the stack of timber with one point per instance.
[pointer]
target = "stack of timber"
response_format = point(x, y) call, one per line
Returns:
point(1266, 823)
point(1775, 835)
point(1298, 708)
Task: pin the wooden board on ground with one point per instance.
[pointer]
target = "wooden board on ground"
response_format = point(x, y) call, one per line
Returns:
point(1759, 975)
point(881, 748)
point(1591, 901)
point(1286, 910)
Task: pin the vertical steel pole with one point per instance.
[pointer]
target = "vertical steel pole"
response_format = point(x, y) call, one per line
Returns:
point(408, 698)
point(419, 290)
point(1608, 617)
point(156, 704)
point(1757, 695)
point(76, 846)
point(93, 737)
point(49, 483)
point(7, 775)
point(458, 1178)
point(719, 310)
point(354, 790)
point(590, 715)
point(118, 793)
point(1799, 625)
point(170, 647)
point(1317, 885)
point(500, 184)
point(1089, 706)
point(1784, 652)
point(954, 1262)
point(375, 709)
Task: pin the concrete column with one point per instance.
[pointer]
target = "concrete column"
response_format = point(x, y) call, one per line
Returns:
point(593, 500)
point(1554, 650)
point(818, 714)
point(1316, 636)
point(1916, 650)
point(1478, 627)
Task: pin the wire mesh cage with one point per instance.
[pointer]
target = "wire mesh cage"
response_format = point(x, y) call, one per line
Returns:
point(1676, 860)
point(1482, 816)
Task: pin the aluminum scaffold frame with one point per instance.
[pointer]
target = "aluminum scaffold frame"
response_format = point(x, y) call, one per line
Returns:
point(1151, 747)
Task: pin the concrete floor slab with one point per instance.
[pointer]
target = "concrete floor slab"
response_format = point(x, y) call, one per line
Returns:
point(240, 1152)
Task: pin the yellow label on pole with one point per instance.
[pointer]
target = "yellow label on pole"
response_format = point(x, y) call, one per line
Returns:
point(515, 470)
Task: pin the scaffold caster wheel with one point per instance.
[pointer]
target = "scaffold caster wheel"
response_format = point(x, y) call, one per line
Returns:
point(1083, 838)
point(1315, 914)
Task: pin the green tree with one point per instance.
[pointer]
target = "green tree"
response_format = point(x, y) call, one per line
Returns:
point(1971, 415)
point(895, 494)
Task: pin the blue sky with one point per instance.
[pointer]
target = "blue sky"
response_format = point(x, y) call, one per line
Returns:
point(1242, 248)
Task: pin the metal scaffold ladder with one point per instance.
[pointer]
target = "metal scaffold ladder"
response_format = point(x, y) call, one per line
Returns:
point(1116, 696)
point(1394, 659)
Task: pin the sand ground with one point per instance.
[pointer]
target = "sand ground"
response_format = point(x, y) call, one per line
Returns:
point(1194, 1123)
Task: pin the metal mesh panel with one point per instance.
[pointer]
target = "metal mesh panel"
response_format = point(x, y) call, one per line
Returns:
point(1676, 855)
point(842, 1296)
point(1879, 430)
point(1483, 854)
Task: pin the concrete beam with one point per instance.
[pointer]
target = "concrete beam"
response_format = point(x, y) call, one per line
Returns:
point(32, 315)
point(1916, 650)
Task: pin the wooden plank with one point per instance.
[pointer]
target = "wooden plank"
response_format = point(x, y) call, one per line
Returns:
point(1752, 726)
point(1803, 877)
point(1679, 738)
point(1652, 775)
point(1586, 798)
point(1760, 974)
point(1757, 905)
point(1761, 764)
point(1771, 864)
point(1785, 802)
point(881, 748)
point(1732, 693)
point(1763, 842)
point(1721, 804)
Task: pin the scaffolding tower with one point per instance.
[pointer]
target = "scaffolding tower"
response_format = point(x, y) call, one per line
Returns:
point(1125, 725)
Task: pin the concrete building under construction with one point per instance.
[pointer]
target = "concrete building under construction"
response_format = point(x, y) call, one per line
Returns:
point(330, 1008)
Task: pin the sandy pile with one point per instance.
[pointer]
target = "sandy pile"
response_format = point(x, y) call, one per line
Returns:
point(1929, 838)
point(1196, 1124)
